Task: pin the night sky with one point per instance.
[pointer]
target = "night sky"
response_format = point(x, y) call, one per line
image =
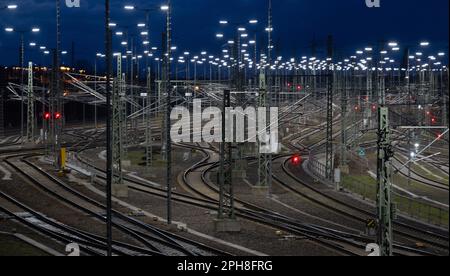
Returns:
point(296, 23)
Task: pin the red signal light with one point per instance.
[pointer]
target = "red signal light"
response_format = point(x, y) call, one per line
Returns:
point(46, 116)
point(374, 107)
point(57, 115)
point(299, 88)
point(433, 120)
point(296, 160)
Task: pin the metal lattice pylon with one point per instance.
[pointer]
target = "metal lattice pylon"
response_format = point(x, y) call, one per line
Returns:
point(226, 195)
point(265, 100)
point(384, 205)
point(329, 166)
point(385, 208)
point(30, 102)
point(117, 134)
point(117, 125)
point(148, 122)
point(344, 104)
point(262, 157)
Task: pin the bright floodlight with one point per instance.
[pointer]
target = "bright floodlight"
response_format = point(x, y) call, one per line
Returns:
point(42, 47)
point(35, 30)
point(11, 7)
point(219, 35)
point(164, 8)
point(393, 44)
point(441, 54)
point(46, 52)
point(252, 42)
point(9, 30)
point(129, 7)
point(424, 43)
point(99, 54)
point(64, 52)
point(186, 53)
point(112, 24)
point(223, 22)
point(32, 44)
point(253, 21)
point(241, 29)
point(141, 25)
point(119, 33)
point(396, 49)
point(368, 49)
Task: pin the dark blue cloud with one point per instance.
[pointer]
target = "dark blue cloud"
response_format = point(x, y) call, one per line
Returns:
point(196, 22)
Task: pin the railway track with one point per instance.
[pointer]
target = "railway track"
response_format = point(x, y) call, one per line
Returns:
point(256, 214)
point(423, 178)
point(211, 203)
point(401, 249)
point(341, 241)
point(439, 235)
point(90, 244)
point(439, 240)
point(123, 223)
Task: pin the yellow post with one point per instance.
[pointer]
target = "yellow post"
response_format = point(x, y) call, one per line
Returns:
point(63, 159)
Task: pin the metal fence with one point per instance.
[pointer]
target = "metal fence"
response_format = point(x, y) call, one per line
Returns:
point(406, 206)
point(316, 167)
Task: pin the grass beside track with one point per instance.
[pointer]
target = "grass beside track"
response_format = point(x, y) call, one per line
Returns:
point(431, 173)
point(365, 186)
